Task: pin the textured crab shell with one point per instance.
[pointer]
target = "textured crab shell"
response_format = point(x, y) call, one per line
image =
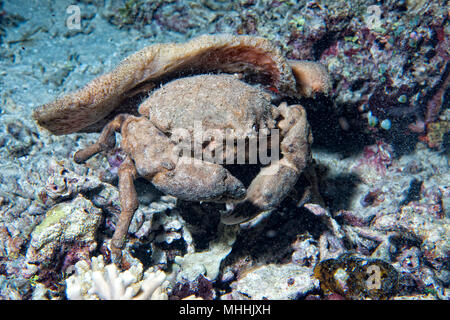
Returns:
point(210, 102)
point(254, 57)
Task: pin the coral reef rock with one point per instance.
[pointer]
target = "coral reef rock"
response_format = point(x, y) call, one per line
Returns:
point(207, 262)
point(280, 282)
point(67, 222)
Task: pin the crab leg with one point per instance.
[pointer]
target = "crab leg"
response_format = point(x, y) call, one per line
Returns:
point(107, 140)
point(274, 182)
point(128, 203)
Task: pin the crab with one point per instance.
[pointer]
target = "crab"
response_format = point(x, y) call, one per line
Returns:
point(225, 85)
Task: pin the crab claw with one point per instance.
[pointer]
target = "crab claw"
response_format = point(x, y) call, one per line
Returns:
point(265, 193)
point(197, 180)
point(274, 182)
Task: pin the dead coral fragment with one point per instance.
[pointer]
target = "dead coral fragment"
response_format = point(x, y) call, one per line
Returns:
point(107, 283)
point(256, 58)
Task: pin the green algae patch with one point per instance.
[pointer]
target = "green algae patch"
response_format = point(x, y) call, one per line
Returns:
point(76, 220)
point(54, 216)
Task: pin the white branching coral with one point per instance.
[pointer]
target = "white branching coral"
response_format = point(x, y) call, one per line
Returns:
point(108, 283)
